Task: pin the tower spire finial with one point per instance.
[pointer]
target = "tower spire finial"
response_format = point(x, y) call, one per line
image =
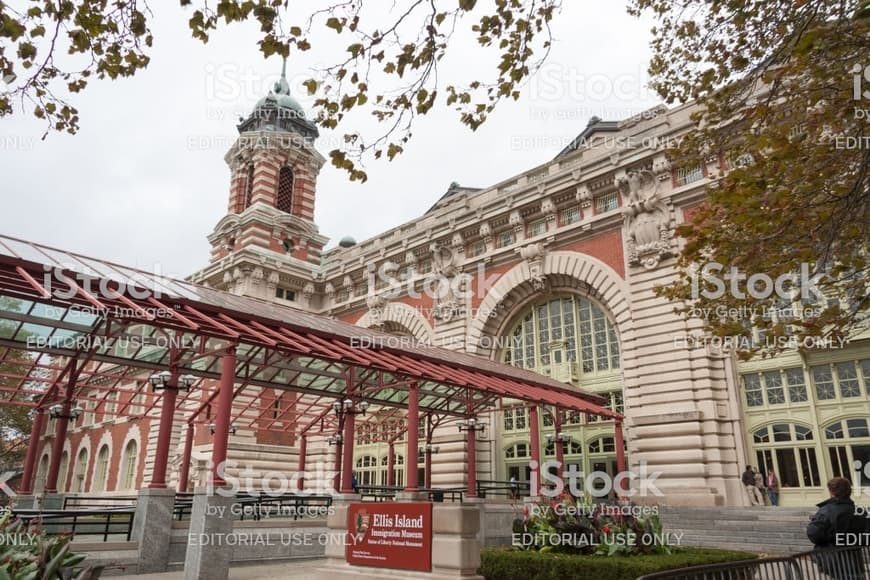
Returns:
point(282, 87)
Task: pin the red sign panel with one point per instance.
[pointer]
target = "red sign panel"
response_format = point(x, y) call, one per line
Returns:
point(390, 535)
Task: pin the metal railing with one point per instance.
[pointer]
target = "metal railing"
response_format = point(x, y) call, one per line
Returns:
point(91, 501)
point(256, 506)
point(388, 493)
point(847, 563)
point(103, 522)
point(494, 488)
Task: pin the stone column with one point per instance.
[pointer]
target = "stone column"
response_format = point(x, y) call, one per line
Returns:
point(152, 524)
point(211, 522)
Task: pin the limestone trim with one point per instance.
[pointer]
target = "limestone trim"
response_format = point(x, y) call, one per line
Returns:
point(403, 315)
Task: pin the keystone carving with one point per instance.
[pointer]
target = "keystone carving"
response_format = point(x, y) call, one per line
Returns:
point(376, 305)
point(646, 220)
point(533, 255)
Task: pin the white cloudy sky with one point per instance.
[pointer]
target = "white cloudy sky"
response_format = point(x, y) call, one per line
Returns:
point(144, 180)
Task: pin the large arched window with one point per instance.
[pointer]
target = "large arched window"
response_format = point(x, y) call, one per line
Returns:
point(564, 338)
point(284, 195)
point(367, 471)
point(131, 458)
point(788, 449)
point(848, 443)
point(81, 468)
point(101, 469)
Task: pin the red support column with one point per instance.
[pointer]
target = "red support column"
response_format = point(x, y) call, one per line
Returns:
point(391, 465)
point(164, 434)
point(32, 453)
point(472, 461)
point(620, 454)
point(60, 433)
point(184, 476)
point(303, 451)
point(428, 468)
point(412, 452)
point(223, 414)
point(347, 452)
point(535, 442)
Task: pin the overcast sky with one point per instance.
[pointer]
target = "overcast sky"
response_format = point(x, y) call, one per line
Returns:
point(144, 181)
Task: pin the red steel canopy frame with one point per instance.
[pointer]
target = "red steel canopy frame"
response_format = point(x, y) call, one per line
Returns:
point(67, 319)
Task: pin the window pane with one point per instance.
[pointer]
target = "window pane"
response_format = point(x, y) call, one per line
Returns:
point(839, 462)
point(781, 432)
point(761, 436)
point(773, 386)
point(847, 376)
point(803, 433)
point(788, 469)
point(857, 428)
point(834, 431)
point(797, 389)
point(824, 382)
point(809, 467)
point(752, 386)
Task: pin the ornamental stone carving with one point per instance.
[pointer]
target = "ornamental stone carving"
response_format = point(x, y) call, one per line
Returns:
point(533, 255)
point(376, 304)
point(548, 208)
point(329, 290)
point(447, 302)
point(646, 220)
point(584, 196)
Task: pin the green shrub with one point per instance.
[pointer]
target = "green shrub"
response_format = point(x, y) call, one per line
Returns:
point(29, 554)
point(567, 525)
point(513, 564)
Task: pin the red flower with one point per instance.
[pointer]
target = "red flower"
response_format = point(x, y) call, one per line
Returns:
point(605, 529)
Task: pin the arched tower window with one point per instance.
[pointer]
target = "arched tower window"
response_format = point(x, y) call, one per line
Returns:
point(249, 187)
point(284, 197)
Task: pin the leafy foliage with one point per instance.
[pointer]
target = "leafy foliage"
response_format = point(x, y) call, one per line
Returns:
point(781, 92)
point(403, 52)
point(510, 564)
point(29, 554)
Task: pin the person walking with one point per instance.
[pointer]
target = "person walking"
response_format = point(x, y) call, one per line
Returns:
point(773, 488)
point(748, 480)
point(837, 525)
point(514, 488)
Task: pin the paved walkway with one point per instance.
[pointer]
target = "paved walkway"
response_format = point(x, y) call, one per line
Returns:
point(302, 570)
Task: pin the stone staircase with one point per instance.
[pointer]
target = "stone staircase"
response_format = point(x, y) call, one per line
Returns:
point(763, 530)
